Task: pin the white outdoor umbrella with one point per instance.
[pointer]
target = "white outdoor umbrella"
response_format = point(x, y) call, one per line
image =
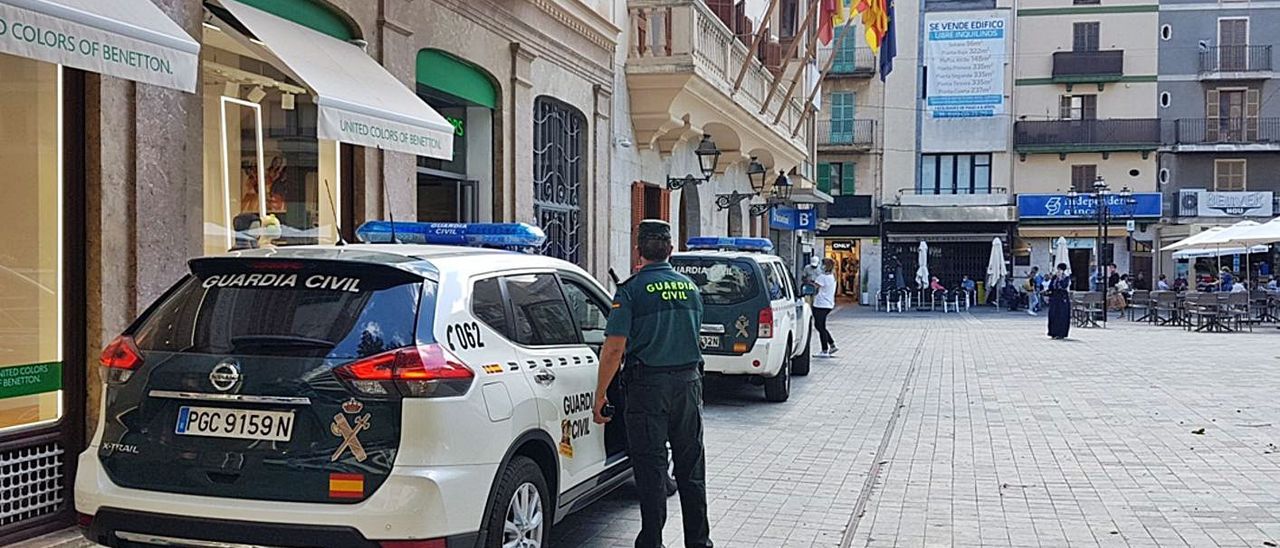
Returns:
point(1061, 255)
point(1221, 239)
point(922, 259)
point(996, 269)
point(1265, 233)
point(1195, 240)
point(1218, 252)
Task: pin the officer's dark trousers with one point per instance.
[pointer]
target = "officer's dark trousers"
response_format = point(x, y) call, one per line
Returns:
point(666, 406)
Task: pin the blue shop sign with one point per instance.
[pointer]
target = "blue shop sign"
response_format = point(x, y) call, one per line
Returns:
point(790, 218)
point(1065, 207)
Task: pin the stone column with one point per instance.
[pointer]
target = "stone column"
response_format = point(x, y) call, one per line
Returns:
point(398, 171)
point(517, 193)
point(599, 187)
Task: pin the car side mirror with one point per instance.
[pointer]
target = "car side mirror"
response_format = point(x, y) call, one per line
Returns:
point(593, 337)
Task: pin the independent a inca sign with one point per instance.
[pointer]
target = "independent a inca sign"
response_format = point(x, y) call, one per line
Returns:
point(44, 37)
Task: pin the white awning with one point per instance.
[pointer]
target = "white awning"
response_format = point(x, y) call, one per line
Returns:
point(360, 102)
point(129, 39)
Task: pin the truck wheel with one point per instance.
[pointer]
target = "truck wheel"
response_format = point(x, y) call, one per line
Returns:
point(778, 388)
point(800, 365)
point(518, 514)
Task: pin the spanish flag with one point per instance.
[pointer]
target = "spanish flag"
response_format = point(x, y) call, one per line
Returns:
point(346, 486)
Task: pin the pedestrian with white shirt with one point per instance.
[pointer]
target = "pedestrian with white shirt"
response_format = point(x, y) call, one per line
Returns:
point(823, 303)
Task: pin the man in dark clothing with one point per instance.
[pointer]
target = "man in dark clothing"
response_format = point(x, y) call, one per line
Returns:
point(654, 326)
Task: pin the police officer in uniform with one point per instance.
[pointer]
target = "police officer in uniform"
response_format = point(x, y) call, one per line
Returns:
point(654, 327)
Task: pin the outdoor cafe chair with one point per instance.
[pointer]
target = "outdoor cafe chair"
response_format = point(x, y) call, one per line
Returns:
point(1237, 308)
point(1261, 304)
point(1139, 300)
point(953, 299)
point(1165, 308)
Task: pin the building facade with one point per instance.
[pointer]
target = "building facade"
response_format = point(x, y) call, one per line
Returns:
point(1221, 132)
point(713, 70)
point(1085, 100)
point(179, 128)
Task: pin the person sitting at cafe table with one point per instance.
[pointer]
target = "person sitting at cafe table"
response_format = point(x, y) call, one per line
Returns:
point(1163, 283)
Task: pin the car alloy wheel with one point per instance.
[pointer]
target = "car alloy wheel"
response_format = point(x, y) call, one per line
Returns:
point(524, 523)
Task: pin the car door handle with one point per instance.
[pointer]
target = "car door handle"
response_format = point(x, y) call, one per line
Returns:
point(544, 376)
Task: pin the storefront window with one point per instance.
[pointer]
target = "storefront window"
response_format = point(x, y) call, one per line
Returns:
point(268, 180)
point(30, 244)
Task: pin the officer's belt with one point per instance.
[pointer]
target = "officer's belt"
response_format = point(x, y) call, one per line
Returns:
point(636, 367)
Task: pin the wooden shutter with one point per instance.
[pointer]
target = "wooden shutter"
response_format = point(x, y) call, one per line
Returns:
point(1211, 111)
point(637, 215)
point(847, 177)
point(664, 205)
point(1252, 104)
point(824, 177)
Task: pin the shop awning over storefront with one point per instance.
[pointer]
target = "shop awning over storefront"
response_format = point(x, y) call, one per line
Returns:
point(359, 101)
point(129, 39)
point(1070, 231)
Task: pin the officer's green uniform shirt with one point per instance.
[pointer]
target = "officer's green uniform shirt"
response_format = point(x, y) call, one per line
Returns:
point(659, 311)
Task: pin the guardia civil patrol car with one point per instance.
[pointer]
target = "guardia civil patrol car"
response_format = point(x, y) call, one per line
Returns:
point(755, 323)
point(376, 394)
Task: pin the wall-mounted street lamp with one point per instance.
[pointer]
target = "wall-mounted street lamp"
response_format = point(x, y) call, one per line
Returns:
point(755, 172)
point(708, 156)
point(780, 193)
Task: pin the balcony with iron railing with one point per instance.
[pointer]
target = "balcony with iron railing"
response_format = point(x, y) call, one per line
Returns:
point(1086, 67)
point(855, 63)
point(1214, 132)
point(856, 206)
point(1064, 136)
point(682, 64)
point(1235, 62)
point(837, 135)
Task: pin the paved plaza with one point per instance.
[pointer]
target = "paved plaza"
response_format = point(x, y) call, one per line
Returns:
point(978, 430)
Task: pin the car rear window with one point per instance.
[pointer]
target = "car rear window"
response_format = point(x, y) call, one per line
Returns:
point(720, 280)
point(334, 315)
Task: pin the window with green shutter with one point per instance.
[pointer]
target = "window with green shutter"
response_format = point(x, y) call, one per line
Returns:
point(842, 117)
point(847, 175)
point(824, 177)
point(844, 62)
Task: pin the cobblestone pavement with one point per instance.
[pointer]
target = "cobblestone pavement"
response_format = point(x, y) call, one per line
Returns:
point(977, 430)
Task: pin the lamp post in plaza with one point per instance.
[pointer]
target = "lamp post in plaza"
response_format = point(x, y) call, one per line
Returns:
point(1101, 195)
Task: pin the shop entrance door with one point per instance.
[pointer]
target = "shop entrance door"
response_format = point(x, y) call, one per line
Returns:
point(447, 200)
point(42, 341)
point(1080, 272)
point(848, 269)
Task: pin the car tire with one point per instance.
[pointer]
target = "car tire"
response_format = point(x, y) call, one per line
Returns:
point(778, 387)
point(523, 500)
point(800, 364)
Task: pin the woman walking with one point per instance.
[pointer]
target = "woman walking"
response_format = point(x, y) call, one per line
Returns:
point(1060, 303)
point(823, 303)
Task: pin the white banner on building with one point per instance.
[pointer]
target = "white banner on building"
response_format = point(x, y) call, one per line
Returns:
point(1205, 203)
point(145, 46)
point(965, 56)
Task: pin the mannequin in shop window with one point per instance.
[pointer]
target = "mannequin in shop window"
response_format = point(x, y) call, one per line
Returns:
point(277, 182)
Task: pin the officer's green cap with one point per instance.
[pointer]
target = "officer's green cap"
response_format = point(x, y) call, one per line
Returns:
point(654, 229)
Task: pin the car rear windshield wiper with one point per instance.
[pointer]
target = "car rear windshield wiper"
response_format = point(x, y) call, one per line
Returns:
point(250, 341)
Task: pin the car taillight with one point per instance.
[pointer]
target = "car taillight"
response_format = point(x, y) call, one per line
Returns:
point(120, 359)
point(427, 371)
point(766, 323)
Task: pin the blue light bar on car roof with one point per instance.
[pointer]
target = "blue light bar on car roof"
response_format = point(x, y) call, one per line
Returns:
point(710, 242)
point(500, 235)
point(762, 245)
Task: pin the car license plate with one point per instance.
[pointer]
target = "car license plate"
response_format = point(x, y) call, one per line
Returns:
point(709, 341)
point(244, 424)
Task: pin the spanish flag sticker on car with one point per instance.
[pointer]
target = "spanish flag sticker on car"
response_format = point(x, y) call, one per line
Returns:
point(346, 486)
